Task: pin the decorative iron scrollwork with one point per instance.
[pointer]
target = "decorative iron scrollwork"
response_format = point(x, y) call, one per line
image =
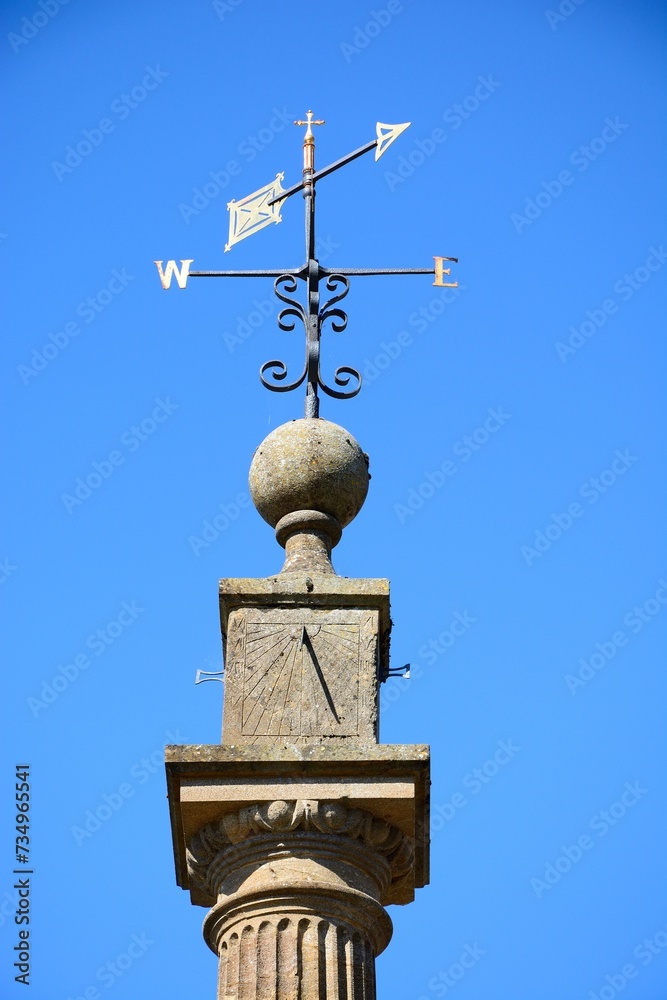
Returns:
point(284, 287)
point(294, 306)
point(327, 312)
point(338, 319)
point(278, 369)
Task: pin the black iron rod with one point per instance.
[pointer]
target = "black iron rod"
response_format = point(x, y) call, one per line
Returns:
point(298, 272)
point(361, 271)
point(301, 272)
point(326, 170)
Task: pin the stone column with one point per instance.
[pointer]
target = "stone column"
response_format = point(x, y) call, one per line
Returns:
point(299, 827)
point(299, 887)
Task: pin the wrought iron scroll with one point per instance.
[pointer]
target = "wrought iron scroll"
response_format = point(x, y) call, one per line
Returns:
point(338, 319)
point(284, 287)
point(278, 369)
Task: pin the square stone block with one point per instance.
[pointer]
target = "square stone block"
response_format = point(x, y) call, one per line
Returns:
point(304, 656)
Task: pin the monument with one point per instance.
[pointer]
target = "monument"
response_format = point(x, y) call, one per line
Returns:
point(300, 827)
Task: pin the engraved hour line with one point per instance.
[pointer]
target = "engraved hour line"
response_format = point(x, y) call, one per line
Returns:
point(263, 700)
point(339, 645)
point(262, 629)
point(285, 640)
point(265, 703)
point(343, 647)
point(297, 722)
point(265, 650)
point(337, 640)
point(349, 652)
point(278, 631)
point(252, 655)
point(347, 645)
point(263, 679)
point(288, 687)
point(334, 639)
point(296, 649)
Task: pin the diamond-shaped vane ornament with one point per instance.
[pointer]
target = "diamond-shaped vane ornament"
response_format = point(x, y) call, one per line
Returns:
point(255, 211)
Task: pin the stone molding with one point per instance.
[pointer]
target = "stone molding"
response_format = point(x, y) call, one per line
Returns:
point(308, 537)
point(208, 782)
point(301, 815)
point(355, 912)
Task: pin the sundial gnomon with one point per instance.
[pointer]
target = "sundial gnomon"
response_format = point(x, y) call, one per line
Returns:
point(263, 207)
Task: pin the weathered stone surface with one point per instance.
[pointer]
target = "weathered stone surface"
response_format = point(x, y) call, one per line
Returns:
point(309, 464)
point(303, 673)
point(317, 684)
point(300, 828)
point(283, 817)
point(289, 758)
point(308, 537)
point(296, 889)
point(206, 783)
point(292, 956)
point(312, 589)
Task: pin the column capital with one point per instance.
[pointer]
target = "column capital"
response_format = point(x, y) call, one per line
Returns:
point(220, 847)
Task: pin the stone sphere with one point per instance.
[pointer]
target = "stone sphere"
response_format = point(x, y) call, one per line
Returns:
point(309, 464)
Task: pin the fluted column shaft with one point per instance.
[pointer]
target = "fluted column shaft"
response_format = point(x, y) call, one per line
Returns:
point(296, 957)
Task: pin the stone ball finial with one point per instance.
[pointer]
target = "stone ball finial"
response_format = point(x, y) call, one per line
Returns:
point(309, 475)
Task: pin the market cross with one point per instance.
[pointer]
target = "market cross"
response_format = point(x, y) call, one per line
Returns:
point(261, 208)
point(300, 827)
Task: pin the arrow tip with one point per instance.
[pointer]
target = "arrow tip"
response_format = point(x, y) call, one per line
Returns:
point(386, 135)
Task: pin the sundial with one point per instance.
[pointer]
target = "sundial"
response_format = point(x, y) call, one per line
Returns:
point(262, 208)
point(300, 672)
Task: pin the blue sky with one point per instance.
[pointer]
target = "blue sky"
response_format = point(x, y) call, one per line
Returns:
point(515, 429)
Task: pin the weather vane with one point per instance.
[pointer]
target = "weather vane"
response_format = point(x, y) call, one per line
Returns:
point(263, 207)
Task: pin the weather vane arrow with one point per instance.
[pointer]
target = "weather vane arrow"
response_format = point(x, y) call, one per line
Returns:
point(261, 208)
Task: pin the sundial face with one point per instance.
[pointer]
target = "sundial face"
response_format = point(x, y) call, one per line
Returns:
point(300, 672)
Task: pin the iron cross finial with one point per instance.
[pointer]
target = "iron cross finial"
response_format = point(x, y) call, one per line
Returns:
point(310, 121)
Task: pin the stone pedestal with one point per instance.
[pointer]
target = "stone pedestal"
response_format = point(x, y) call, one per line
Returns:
point(300, 828)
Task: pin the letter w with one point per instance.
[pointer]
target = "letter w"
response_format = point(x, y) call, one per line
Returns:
point(171, 270)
